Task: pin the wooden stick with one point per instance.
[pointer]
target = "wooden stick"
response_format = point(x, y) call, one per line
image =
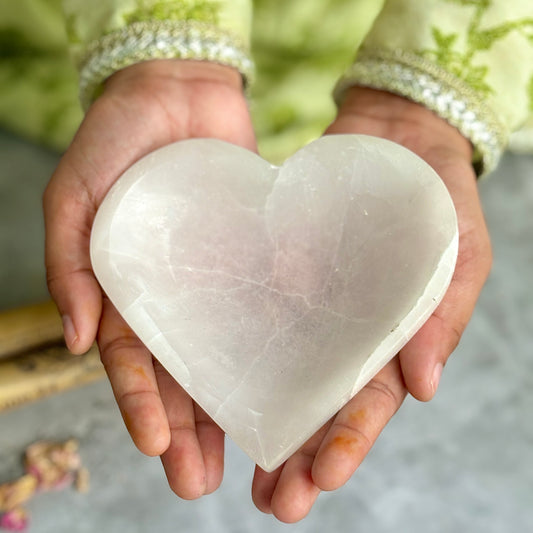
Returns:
point(28, 327)
point(45, 371)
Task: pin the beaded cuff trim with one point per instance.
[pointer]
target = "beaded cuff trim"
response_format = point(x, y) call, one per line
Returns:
point(142, 41)
point(426, 83)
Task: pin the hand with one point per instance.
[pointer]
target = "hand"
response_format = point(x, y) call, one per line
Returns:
point(333, 454)
point(142, 108)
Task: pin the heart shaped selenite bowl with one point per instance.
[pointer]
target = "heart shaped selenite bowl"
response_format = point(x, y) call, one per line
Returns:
point(274, 294)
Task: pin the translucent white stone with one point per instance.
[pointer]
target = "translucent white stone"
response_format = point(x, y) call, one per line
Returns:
point(272, 295)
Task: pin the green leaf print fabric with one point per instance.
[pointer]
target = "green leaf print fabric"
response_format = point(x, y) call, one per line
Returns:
point(471, 61)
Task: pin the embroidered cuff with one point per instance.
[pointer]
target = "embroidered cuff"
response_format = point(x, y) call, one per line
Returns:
point(142, 41)
point(426, 83)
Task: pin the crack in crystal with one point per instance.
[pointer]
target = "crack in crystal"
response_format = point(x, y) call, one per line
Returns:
point(257, 358)
point(263, 284)
point(271, 339)
point(335, 255)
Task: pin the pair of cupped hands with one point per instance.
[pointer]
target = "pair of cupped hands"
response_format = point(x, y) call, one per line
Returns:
point(158, 102)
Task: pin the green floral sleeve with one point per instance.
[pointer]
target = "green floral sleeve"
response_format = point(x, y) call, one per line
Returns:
point(108, 36)
point(38, 85)
point(470, 61)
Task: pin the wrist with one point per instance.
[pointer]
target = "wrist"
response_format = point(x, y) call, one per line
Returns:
point(401, 120)
point(175, 71)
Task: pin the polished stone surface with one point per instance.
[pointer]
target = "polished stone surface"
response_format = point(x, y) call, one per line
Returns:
point(272, 295)
point(461, 463)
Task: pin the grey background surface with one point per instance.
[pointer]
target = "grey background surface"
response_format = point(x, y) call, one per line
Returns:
point(462, 463)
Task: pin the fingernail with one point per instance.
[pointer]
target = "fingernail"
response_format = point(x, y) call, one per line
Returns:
point(435, 379)
point(69, 332)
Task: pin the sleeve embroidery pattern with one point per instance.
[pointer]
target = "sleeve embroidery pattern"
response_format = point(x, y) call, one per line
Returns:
point(456, 70)
point(463, 62)
point(426, 83)
point(207, 11)
point(145, 40)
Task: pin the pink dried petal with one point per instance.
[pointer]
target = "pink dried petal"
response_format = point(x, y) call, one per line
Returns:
point(62, 483)
point(34, 471)
point(15, 520)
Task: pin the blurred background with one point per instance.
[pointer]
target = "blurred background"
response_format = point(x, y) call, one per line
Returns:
point(462, 463)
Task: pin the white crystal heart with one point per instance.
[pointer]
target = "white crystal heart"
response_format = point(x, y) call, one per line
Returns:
point(273, 295)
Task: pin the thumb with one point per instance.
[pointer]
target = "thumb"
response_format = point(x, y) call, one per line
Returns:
point(424, 356)
point(68, 214)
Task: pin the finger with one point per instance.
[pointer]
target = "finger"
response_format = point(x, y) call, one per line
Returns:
point(424, 357)
point(94, 160)
point(357, 426)
point(211, 441)
point(183, 461)
point(293, 493)
point(68, 217)
point(129, 366)
point(263, 487)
